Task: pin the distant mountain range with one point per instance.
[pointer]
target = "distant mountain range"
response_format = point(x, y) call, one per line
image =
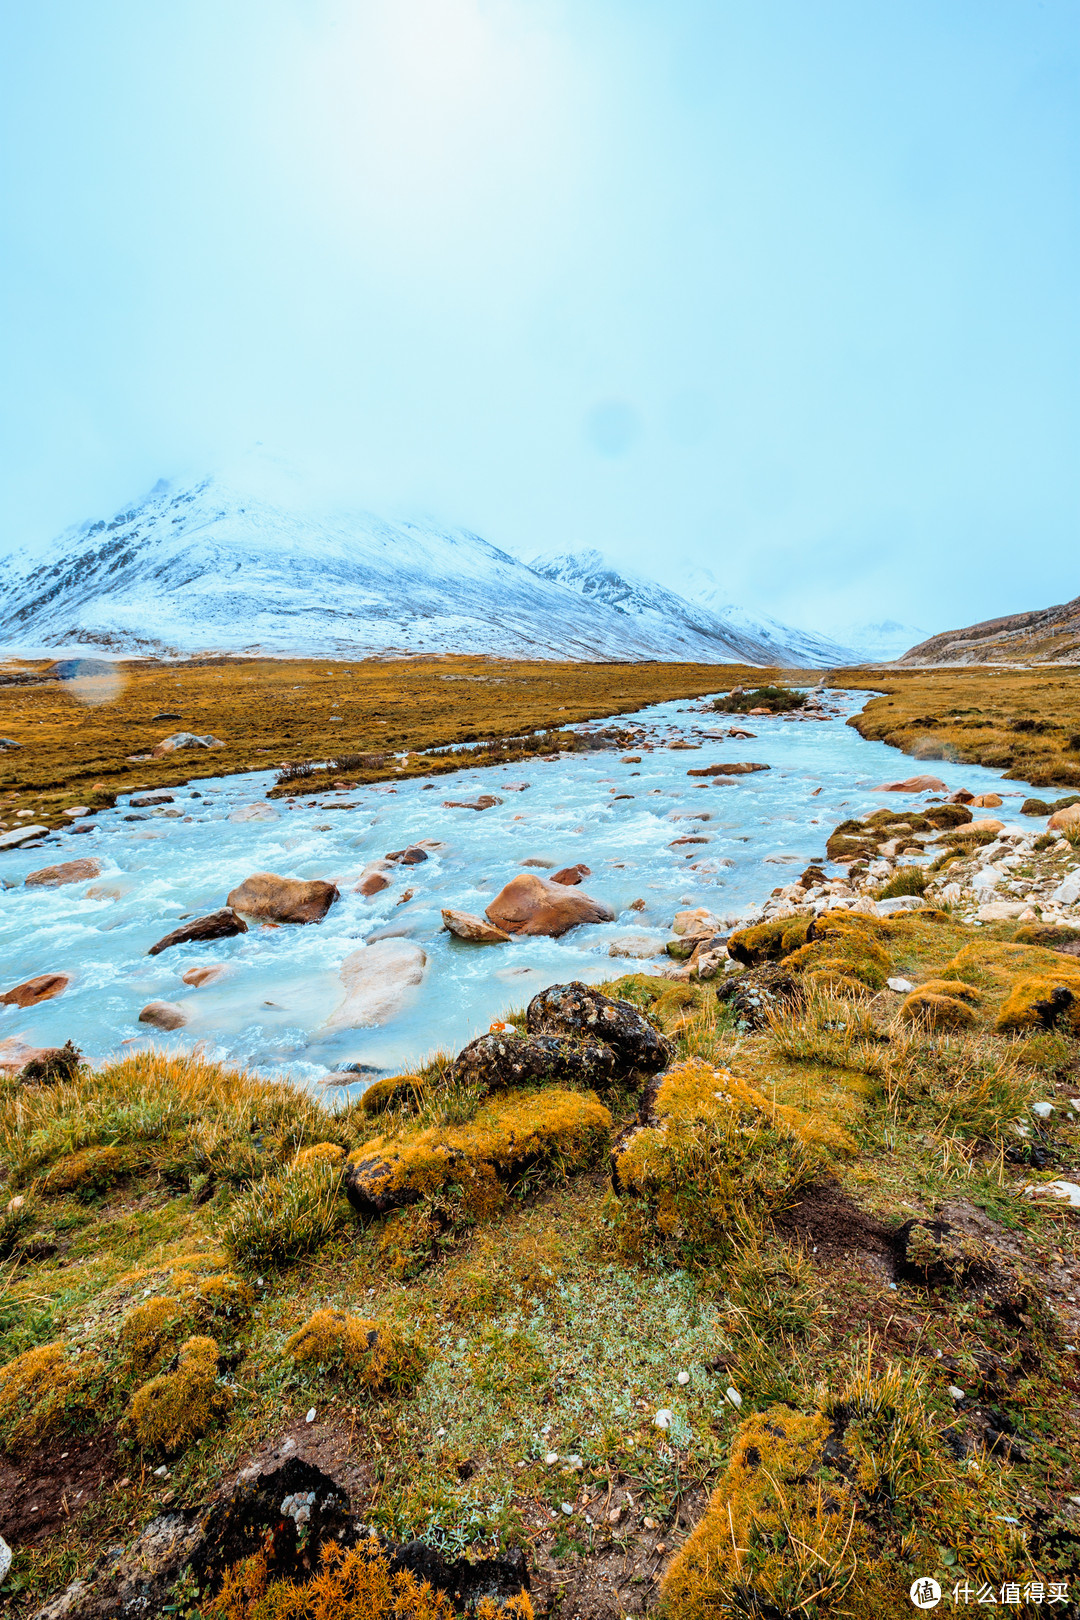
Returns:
point(215, 566)
point(1046, 636)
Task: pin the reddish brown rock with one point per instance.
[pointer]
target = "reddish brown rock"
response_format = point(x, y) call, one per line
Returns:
point(15, 1054)
point(267, 897)
point(208, 974)
point(1069, 817)
point(163, 1015)
point(218, 925)
point(51, 877)
point(412, 856)
point(31, 991)
point(914, 784)
point(740, 768)
point(571, 875)
point(534, 905)
point(484, 802)
point(473, 929)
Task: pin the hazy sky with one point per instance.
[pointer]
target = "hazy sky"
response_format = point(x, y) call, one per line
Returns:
point(784, 288)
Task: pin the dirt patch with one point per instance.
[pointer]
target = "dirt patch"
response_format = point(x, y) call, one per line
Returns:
point(829, 1223)
point(41, 1491)
point(331, 1446)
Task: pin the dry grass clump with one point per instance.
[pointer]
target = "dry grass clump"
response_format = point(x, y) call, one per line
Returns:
point(935, 1008)
point(357, 1584)
point(905, 880)
point(175, 1408)
point(279, 1218)
point(371, 1354)
point(827, 1512)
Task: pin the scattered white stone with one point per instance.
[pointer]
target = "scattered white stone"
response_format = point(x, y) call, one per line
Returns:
point(650, 1524)
point(551, 1458)
point(5, 1558)
point(1060, 1192)
point(1042, 1109)
point(311, 1415)
point(903, 987)
point(1067, 893)
point(567, 1509)
point(439, 1433)
point(663, 1418)
point(733, 1396)
point(684, 1378)
point(957, 1394)
point(161, 1473)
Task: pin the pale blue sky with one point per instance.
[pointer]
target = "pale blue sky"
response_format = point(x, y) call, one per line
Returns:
point(784, 288)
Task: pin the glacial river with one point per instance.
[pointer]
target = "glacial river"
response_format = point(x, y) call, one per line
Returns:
point(283, 983)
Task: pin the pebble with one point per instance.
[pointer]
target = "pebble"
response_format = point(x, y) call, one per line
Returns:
point(567, 1509)
point(663, 1418)
point(311, 1415)
point(733, 1396)
point(957, 1394)
point(684, 1378)
point(903, 987)
point(1042, 1109)
point(551, 1458)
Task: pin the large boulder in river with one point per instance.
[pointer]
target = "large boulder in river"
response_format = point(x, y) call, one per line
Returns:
point(52, 877)
point(163, 1015)
point(497, 1062)
point(268, 898)
point(218, 925)
point(578, 1010)
point(378, 980)
point(42, 988)
point(535, 905)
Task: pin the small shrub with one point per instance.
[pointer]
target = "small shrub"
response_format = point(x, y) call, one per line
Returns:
point(61, 1065)
point(353, 1585)
point(780, 699)
point(175, 1408)
point(368, 1353)
point(282, 1217)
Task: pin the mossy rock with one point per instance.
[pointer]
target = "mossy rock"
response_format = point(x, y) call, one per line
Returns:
point(759, 993)
point(1050, 936)
point(936, 1010)
point(769, 941)
point(396, 1091)
point(505, 1062)
point(176, 1408)
point(845, 945)
point(49, 1391)
point(148, 1335)
point(1044, 1001)
point(934, 1254)
point(948, 815)
point(371, 1354)
point(546, 1132)
point(86, 1173)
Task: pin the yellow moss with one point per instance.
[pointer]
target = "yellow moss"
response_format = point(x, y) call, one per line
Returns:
point(846, 946)
point(175, 1408)
point(769, 941)
point(994, 963)
point(372, 1353)
point(319, 1153)
point(384, 1094)
point(1043, 1001)
point(47, 1391)
point(554, 1129)
point(353, 1585)
point(953, 987)
point(926, 1006)
point(88, 1171)
point(148, 1334)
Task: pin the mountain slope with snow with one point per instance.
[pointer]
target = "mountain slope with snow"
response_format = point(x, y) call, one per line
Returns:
point(752, 636)
point(213, 566)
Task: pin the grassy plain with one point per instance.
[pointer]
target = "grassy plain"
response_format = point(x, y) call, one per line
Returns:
point(272, 712)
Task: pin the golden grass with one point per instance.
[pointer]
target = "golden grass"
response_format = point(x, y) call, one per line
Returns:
point(271, 712)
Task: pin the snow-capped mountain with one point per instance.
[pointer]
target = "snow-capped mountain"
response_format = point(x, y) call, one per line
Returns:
point(213, 566)
point(704, 610)
point(884, 641)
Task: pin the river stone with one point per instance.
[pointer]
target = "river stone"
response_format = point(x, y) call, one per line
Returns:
point(373, 880)
point(140, 801)
point(20, 835)
point(485, 801)
point(254, 812)
point(753, 995)
point(635, 945)
point(183, 739)
point(913, 784)
point(15, 1054)
point(163, 1015)
point(218, 925)
point(578, 1010)
point(267, 897)
point(741, 768)
point(535, 905)
point(378, 980)
point(498, 1061)
point(42, 988)
point(699, 920)
point(412, 856)
point(208, 973)
point(1069, 817)
point(571, 875)
point(474, 929)
point(51, 877)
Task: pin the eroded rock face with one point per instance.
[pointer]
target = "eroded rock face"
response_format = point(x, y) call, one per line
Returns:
point(52, 877)
point(267, 897)
point(577, 1010)
point(535, 905)
point(163, 1015)
point(378, 982)
point(42, 988)
point(500, 1061)
point(218, 925)
point(473, 929)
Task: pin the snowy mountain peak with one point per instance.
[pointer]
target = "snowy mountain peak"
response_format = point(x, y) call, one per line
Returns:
point(250, 562)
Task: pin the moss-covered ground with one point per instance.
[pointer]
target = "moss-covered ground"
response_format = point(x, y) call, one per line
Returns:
point(538, 1323)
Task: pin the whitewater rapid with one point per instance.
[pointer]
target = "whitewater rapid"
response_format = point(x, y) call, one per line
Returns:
point(619, 819)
